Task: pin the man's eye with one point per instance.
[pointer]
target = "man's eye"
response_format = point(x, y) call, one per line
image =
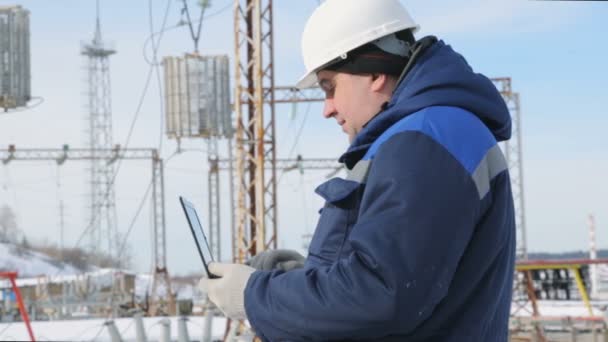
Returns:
point(328, 88)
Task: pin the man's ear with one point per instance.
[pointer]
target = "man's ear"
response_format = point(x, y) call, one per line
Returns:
point(379, 81)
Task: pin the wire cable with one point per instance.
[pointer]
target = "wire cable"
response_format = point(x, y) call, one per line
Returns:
point(304, 204)
point(23, 109)
point(123, 245)
point(195, 36)
point(78, 336)
point(134, 219)
point(192, 322)
point(126, 144)
point(127, 140)
point(6, 328)
point(178, 25)
point(296, 140)
point(151, 37)
point(98, 333)
point(157, 68)
point(299, 134)
point(128, 327)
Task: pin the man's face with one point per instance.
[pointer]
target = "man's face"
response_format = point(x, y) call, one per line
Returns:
point(349, 99)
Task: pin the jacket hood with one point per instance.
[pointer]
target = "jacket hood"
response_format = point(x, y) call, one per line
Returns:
point(439, 77)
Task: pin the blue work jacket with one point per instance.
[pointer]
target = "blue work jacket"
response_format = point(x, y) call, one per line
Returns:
point(417, 243)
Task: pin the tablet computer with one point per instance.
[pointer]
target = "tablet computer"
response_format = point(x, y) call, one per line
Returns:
point(199, 236)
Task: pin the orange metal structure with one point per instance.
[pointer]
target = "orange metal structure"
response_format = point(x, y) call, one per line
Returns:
point(574, 265)
point(525, 282)
point(12, 276)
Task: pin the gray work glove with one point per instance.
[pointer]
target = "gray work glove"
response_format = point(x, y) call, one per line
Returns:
point(280, 259)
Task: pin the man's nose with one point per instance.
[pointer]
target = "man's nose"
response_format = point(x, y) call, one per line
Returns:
point(329, 108)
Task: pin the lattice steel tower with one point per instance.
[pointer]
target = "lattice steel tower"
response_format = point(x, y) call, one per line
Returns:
point(102, 210)
point(512, 149)
point(254, 105)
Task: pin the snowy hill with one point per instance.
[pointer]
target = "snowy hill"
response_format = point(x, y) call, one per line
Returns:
point(28, 263)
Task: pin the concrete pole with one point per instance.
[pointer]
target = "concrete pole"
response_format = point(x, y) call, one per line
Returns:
point(64, 291)
point(232, 332)
point(140, 332)
point(534, 334)
point(182, 330)
point(208, 326)
point(165, 335)
point(593, 256)
point(594, 332)
point(114, 334)
point(573, 333)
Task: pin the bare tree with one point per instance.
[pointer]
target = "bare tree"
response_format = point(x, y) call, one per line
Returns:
point(8, 224)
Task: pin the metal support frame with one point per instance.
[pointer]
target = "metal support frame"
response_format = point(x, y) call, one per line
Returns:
point(574, 266)
point(287, 94)
point(287, 164)
point(214, 199)
point(524, 291)
point(255, 133)
point(255, 130)
point(105, 156)
point(102, 210)
point(161, 274)
point(593, 271)
point(513, 155)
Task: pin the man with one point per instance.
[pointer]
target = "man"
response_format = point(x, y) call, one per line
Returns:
point(418, 242)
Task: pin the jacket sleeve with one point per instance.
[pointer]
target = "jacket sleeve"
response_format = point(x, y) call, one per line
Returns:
point(417, 215)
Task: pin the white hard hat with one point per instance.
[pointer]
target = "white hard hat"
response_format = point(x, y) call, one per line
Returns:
point(339, 26)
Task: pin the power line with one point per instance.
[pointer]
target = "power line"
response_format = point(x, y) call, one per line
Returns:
point(7, 326)
point(31, 106)
point(139, 209)
point(129, 135)
point(296, 140)
point(299, 134)
point(157, 68)
point(154, 64)
point(178, 25)
point(123, 246)
point(195, 36)
point(98, 333)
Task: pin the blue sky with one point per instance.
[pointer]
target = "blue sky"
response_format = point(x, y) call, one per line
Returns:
point(553, 52)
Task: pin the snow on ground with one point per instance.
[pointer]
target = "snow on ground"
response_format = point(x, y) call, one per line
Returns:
point(29, 263)
point(96, 330)
point(554, 308)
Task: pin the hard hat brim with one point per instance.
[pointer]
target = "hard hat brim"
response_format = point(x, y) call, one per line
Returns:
point(309, 80)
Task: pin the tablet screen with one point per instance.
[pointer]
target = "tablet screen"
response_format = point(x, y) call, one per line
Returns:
point(197, 232)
